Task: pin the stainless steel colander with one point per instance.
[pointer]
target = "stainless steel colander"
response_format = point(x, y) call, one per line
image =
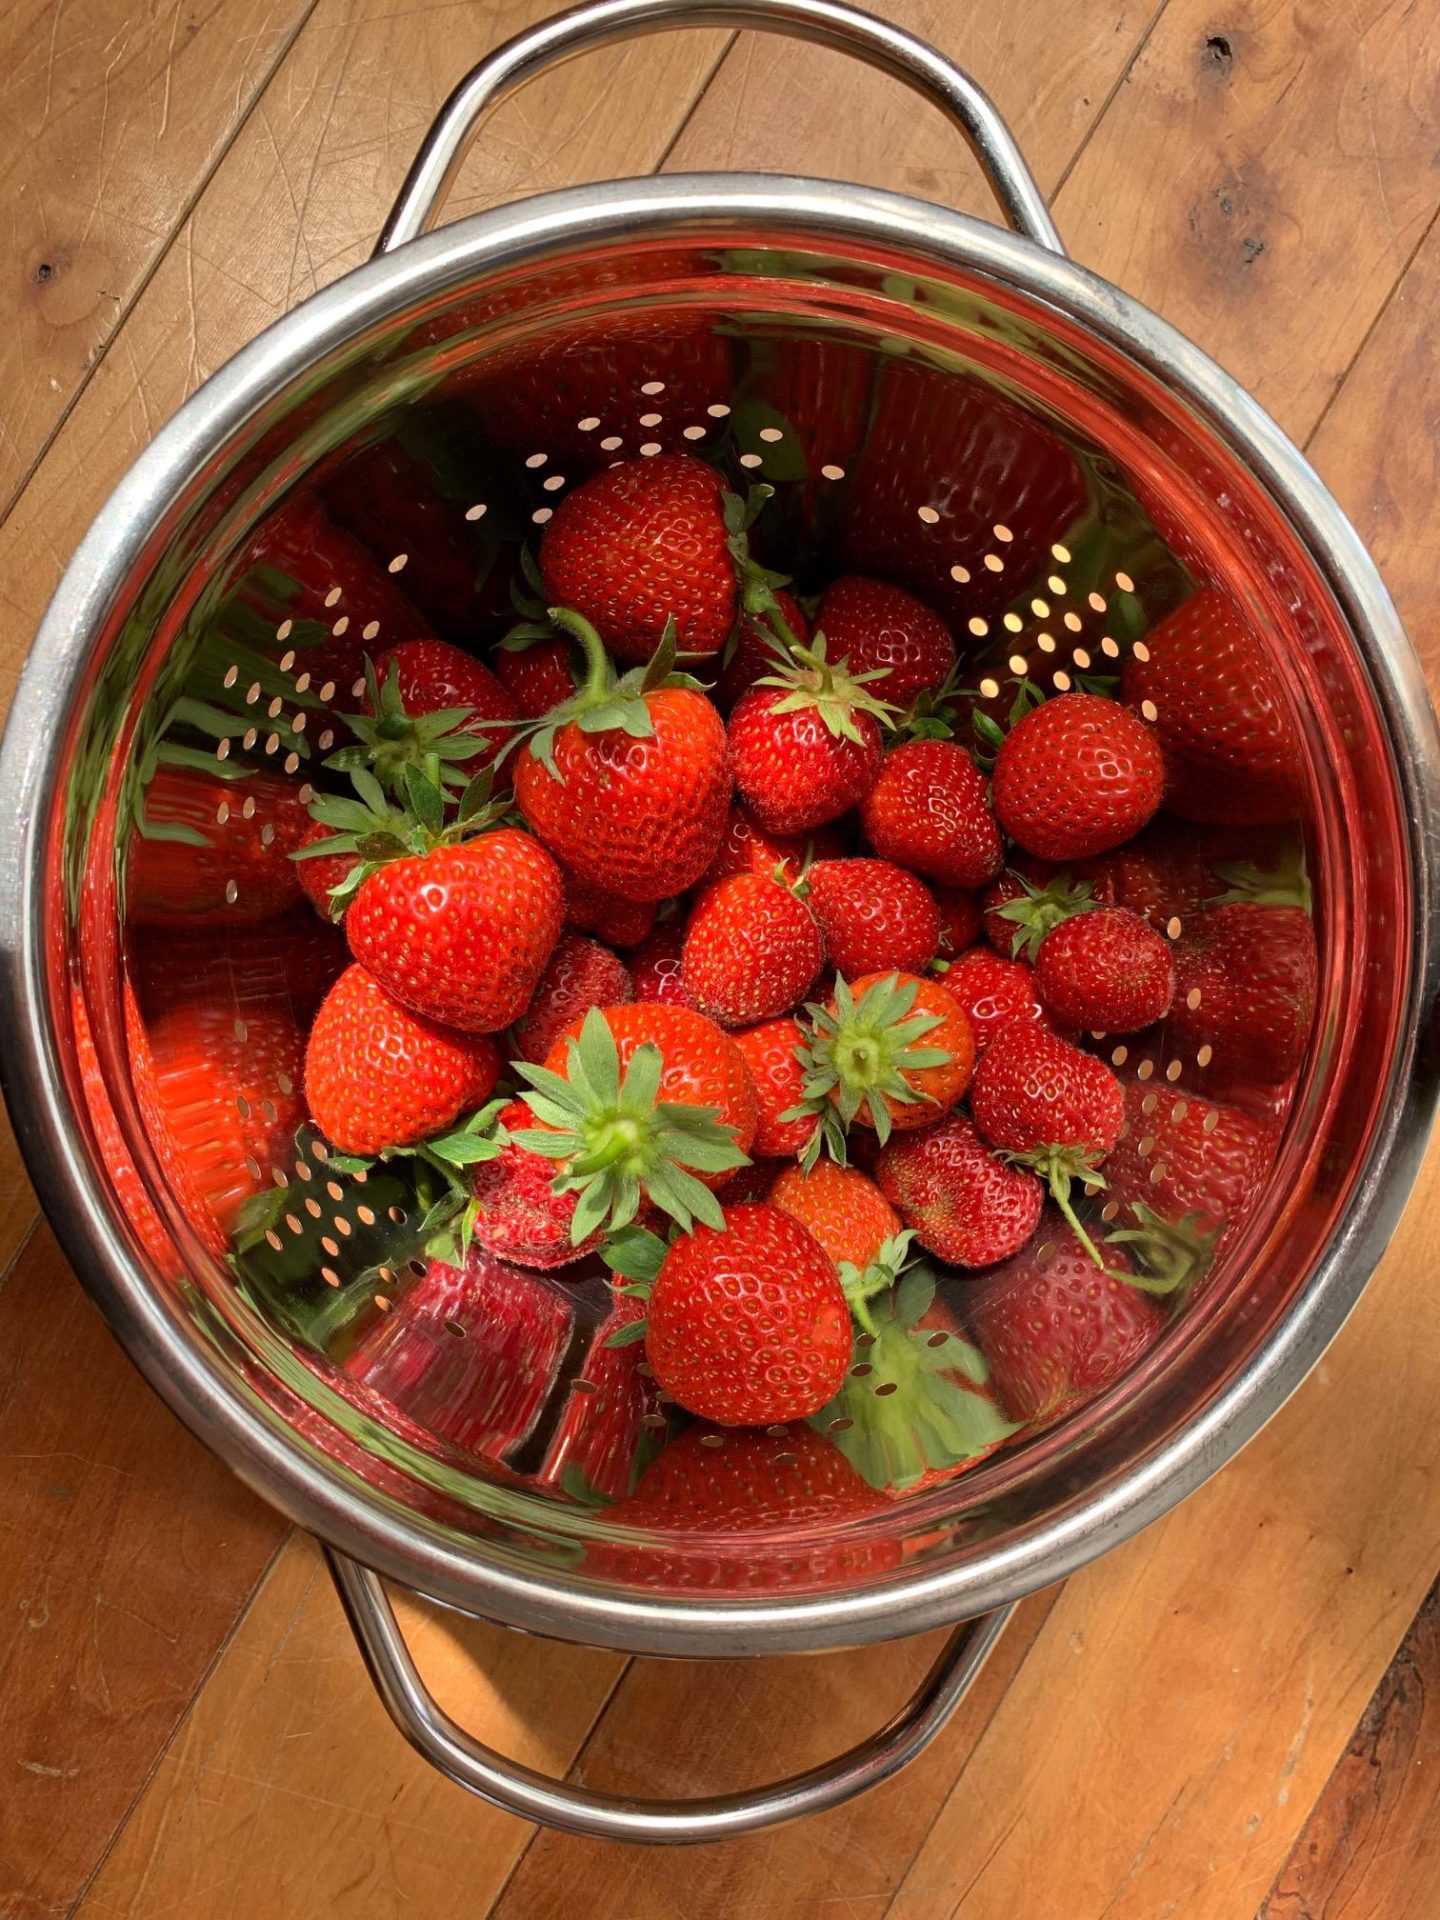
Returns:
point(953, 406)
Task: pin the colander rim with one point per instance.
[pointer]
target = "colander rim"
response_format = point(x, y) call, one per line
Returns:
point(274, 1461)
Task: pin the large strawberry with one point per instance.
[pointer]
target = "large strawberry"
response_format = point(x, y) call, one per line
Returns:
point(1232, 753)
point(1180, 1154)
point(875, 916)
point(208, 849)
point(1050, 1107)
point(957, 1196)
point(753, 950)
point(1107, 970)
point(1245, 989)
point(640, 1103)
point(748, 1324)
point(642, 544)
point(806, 742)
point(874, 626)
point(993, 991)
point(891, 1051)
point(928, 812)
point(579, 974)
point(628, 784)
point(842, 1207)
point(378, 1076)
point(1057, 1328)
point(1077, 775)
point(772, 1052)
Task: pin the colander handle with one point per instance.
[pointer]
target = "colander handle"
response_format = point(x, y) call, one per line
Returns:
point(520, 1790)
point(827, 22)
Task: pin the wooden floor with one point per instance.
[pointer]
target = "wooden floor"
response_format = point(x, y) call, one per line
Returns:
point(1214, 1722)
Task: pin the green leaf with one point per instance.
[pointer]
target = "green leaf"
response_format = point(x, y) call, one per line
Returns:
point(635, 1252)
point(629, 1335)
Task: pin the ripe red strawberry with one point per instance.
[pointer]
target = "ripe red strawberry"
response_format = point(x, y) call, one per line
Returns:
point(1232, 754)
point(518, 1215)
point(747, 848)
point(806, 743)
point(1057, 1328)
point(433, 677)
point(752, 950)
point(891, 1050)
point(748, 1325)
point(993, 991)
point(958, 1198)
point(1076, 776)
point(461, 934)
point(579, 974)
point(538, 674)
point(1107, 970)
point(1183, 1155)
point(1049, 1106)
point(220, 1097)
point(843, 1208)
point(629, 783)
point(287, 965)
point(656, 966)
point(873, 625)
point(321, 875)
point(1254, 969)
point(619, 923)
point(378, 1075)
point(959, 921)
point(875, 916)
point(928, 812)
point(742, 1511)
point(757, 648)
point(640, 544)
point(641, 1103)
point(772, 1053)
point(232, 865)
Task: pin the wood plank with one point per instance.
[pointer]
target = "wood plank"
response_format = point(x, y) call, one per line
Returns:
point(111, 116)
point(1372, 1842)
point(748, 1721)
point(1261, 179)
point(288, 1793)
point(125, 1553)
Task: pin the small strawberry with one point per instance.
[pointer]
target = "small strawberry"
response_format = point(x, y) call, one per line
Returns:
point(619, 923)
point(1232, 753)
point(772, 1053)
point(1183, 1155)
point(959, 921)
point(1057, 1327)
point(628, 784)
point(875, 917)
point(993, 991)
point(873, 626)
point(210, 850)
point(917, 1409)
point(748, 1324)
point(1050, 1107)
point(1107, 970)
point(1027, 901)
point(805, 742)
point(928, 812)
point(538, 674)
point(747, 848)
point(1077, 775)
point(740, 1511)
point(752, 950)
point(1245, 986)
point(640, 1102)
point(891, 1051)
point(843, 1208)
point(958, 1198)
point(517, 1212)
point(378, 1076)
point(579, 974)
point(656, 967)
point(757, 647)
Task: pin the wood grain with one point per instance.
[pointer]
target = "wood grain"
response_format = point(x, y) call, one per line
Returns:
point(126, 1552)
point(288, 1793)
point(1371, 1845)
point(111, 118)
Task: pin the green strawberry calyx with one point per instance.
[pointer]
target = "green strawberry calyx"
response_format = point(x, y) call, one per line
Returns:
point(1173, 1254)
point(1041, 909)
point(915, 1401)
point(604, 701)
point(440, 1168)
point(863, 1284)
point(857, 1056)
point(1060, 1167)
point(755, 586)
point(391, 743)
point(810, 679)
point(617, 1142)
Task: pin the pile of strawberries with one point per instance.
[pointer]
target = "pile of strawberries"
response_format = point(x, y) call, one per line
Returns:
point(730, 937)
